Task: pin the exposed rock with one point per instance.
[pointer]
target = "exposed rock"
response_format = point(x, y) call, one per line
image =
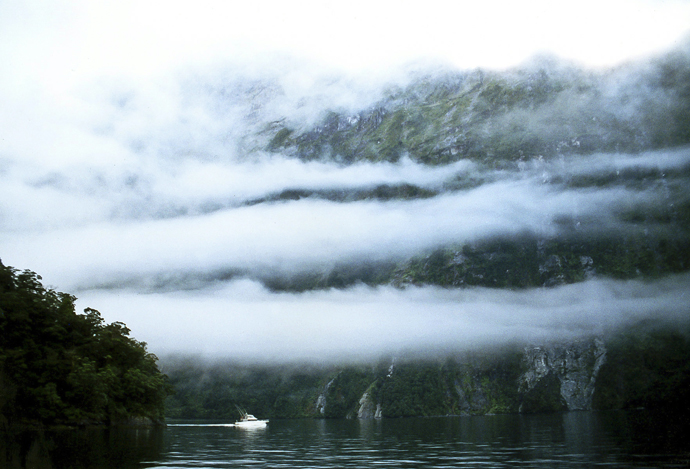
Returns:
point(321, 400)
point(574, 365)
point(321, 404)
point(367, 407)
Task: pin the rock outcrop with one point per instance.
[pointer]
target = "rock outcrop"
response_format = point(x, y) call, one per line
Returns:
point(368, 408)
point(321, 400)
point(570, 369)
point(539, 378)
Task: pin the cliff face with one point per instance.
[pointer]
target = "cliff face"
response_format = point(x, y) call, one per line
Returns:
point(368, 408)
point(568, 369)
point(640, 366)
point(539, 378)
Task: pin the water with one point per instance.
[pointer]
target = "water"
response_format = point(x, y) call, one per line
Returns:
point(568, 440)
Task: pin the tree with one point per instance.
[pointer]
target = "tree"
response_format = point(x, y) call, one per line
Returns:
point(57, 366)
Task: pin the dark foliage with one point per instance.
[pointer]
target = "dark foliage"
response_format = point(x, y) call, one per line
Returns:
point(57, 366)
point(416, 389)
point(213, 391)
point(545, 397)
point(648, 365)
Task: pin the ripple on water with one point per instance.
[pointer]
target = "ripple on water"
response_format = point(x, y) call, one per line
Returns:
point(576, 441)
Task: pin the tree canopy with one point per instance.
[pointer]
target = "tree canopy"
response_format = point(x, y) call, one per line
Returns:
point(57, 366)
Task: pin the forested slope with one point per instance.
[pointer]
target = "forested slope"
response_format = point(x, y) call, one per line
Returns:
point(61, 367)
point(644, 365)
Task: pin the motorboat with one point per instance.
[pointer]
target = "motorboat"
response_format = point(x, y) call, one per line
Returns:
point(248, 420)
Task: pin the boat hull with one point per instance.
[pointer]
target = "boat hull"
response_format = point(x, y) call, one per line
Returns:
point(252, 424)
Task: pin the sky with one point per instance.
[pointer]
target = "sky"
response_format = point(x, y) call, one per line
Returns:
point(126, 168)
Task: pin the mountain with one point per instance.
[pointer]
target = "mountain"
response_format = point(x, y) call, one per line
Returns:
point(614, 143)
point(533, 179)
point(545, 108)
point(549, 124)
point(645, 365)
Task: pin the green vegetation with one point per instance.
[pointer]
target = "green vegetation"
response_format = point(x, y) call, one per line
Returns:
point(546, 108)
point(213, 391)
point(530, 262)
point(59, 367)
point(647, 365)
point(486, 382)
point(416, 389)
point(523, 261)
point(382, 192)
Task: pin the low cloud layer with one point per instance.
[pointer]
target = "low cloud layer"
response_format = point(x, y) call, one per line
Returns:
point(309, 234)
point(244, 321)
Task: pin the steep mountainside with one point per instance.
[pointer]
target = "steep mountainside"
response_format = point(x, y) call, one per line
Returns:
point(545, 108)
point(607, 155)
point(548, 124)
point(644, 365)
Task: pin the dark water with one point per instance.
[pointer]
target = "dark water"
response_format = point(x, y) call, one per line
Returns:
point(569, 440)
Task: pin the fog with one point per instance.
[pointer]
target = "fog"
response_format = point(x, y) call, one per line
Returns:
point(134, 171)
point(243, 321)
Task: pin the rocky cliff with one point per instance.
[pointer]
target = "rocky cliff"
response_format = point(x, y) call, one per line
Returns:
point(622, 134)
point(643, 365)
point(539, 378)
point(571, 369)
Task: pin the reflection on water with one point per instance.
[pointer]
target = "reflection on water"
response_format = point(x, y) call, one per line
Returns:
point(573, 440)
point(81, 448)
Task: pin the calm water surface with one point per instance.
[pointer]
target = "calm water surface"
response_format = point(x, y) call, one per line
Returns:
point(568, 440)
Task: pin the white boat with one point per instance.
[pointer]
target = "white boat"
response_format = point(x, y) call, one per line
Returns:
point(249, 421)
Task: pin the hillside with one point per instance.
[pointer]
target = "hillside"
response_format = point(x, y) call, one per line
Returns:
point(645, 365)
point(619, 134)
point(546, 108)
point(60, 367)
point(610, 146)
